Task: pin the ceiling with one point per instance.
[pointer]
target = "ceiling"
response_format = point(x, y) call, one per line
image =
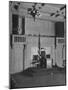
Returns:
point(45, 11)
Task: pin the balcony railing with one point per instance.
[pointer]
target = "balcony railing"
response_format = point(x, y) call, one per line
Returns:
point(20, 39)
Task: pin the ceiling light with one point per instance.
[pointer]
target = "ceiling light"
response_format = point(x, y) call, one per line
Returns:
point(34, 11)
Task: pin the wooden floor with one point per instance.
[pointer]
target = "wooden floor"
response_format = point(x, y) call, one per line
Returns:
point(34, 77)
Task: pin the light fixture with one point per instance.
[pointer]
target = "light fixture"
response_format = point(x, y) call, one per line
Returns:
point(34, 11)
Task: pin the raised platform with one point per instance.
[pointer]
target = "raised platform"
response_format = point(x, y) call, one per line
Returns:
point(33, 77)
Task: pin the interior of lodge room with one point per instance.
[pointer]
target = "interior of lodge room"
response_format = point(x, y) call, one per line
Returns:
point(37, 44)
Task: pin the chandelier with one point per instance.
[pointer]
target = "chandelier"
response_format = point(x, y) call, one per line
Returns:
point(34, 11)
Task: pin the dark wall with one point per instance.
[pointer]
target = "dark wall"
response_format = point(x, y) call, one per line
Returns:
point(23, 25)
point(15, 24)
point(59, 29)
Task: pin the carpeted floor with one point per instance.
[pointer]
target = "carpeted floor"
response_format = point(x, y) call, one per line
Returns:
point(33, 77)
